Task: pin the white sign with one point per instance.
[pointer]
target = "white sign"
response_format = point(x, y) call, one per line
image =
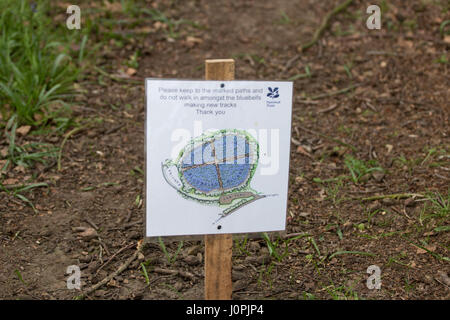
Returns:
point(217, 156)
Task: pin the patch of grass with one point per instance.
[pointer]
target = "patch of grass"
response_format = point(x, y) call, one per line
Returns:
point(19, 275)
point(348, 69)
point(171, 258)
point(144, 272)
point(333, 190)
point(410, 24)
point(241, 246)
point(307, 74)
point(442, 229)
point(437, 206)
point(434, 254)
point(284, 19)
point(279, 248)
point(25, 155)
point(351, 252)
point(359, 169)
point(399, 259)
point(442, 59)
point(36, 72)
point(342, 292)
point(17, 191)
point(266, 272)
point(409, 286)
point(133, 60)
point(308, 296)
point(442, 30)
point(171, 25)
point(408, 163)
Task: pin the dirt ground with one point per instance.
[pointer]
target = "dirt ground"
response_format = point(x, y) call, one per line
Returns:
point(379, 96)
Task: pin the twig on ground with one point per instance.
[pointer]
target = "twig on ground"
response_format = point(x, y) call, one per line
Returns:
point(325, 24)
point(391, 196)
point(293, 235)
point(68, 135)
point(183, 274)
point(330, 108)
point(291, 61)
point(114, 255)
point(122, 268)
point(328, 137)
point(126, 226)
point(334, 93)
point(93, 225)
point(118, 79)
point(306, 101)
point(114, 129)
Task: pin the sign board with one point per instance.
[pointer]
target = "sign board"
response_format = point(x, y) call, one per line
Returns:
point(217, 156)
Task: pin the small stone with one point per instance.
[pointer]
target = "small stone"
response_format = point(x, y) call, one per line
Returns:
point(239, 285)
point(178, 286)
point(238, 275)
point(191, 260)
point(23, 130)
point(193, 250)
point(88, 234)
point(141, 256)
point(444, 277)
point(410, 202)
point(378, 175)
point(254, 246)
point(304, 214)
point(100, 293)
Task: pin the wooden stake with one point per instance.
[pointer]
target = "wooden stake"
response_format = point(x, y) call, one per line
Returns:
point(218, 248)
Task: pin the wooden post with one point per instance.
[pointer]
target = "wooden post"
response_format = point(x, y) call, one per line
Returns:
point(218, 248)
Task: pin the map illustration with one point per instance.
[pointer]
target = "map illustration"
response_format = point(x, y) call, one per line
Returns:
point(216, 169)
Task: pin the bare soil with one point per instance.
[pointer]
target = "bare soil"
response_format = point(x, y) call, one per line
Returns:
point(397, 112)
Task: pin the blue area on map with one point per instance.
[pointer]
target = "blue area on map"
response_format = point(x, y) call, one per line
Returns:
point(229, 147)
point(232, 158)
point(203, 178)
point(199, 155)
point(233, 175)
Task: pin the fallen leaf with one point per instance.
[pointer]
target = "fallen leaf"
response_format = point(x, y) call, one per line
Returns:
point(158, 25)
point(302, 150)
point(322, 195)
point(146, 29)
point(378, 175)
point(447, 39)
point(304, 214)
point(10, 181)
point(431, 248)
point(389, 147)
point(19, 169)
point(444, 277)
point(112, 283)
point(88, 233)
point(192, 41)
point(23, 130)
point(131, 71)
point(38, 117)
